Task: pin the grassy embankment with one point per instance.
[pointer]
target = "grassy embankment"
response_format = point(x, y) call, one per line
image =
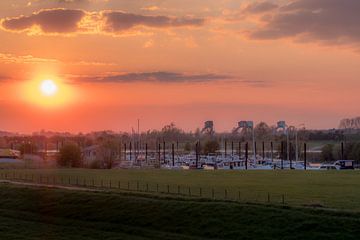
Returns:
point(38, 213)
point(329, 189)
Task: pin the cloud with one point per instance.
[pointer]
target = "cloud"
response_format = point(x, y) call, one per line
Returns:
point(49, 21)
point(3, 78)
point(151, 8)
point(69, 21)
point(73, 1)
point(161, 77)
point(165, 78)
point(148, 44)
point(259, 7)
point(327, 21)
point(11, 58)
point(120, 21)
point(61, 2)
point(8, 58)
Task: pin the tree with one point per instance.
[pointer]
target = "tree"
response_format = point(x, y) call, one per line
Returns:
point(350, 123)
point(171, 132)
point(262, 131)
point(70, 156)
point(108, 151)
point(211, 146)
point(28, 147)
point(327, 153)
point(187, 147)
point(355, 152)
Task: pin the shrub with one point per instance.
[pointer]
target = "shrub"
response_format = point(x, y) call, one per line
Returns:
point(70, 156)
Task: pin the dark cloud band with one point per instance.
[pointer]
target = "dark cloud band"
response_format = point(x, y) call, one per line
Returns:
point(50, 21)
point(120, 21)
point(163, 77)
point(69, 21)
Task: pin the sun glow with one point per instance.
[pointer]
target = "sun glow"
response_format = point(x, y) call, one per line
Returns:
point(48, 92)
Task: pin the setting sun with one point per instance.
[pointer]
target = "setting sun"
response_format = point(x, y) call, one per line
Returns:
point(48, 88)
point(48, 92)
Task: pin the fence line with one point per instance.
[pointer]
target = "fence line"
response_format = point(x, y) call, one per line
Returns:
point(209, 193)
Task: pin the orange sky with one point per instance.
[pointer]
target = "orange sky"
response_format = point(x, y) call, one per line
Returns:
point(177, 61)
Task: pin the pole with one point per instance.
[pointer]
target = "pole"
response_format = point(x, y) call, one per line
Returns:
point(225, 147)
point(263, 150)
point(254, 143)
point(342, 151)
point(222, 152)
point(197, 155)
point(287, 144)
point(159, 155)
point(246, 155)
point(290, 158)
point(282, 155)
point(125, 151)
point(173, 154)
point(164, 146)
point(146, 153)
point(138, 130)
point(305, 156)
point(232, 148)
point(46, 150)
point(119, 151)
point(296, 146)
point(272, 152)
point(130, 149)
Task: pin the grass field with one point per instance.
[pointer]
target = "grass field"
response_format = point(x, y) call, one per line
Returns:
point(39, 213)
point(327, 189)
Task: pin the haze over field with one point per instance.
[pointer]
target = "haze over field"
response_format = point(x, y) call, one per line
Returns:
point(82, 65)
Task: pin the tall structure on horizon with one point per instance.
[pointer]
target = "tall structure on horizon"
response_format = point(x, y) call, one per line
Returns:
point(208, 128)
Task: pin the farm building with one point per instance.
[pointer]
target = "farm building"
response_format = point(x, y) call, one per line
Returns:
point(9, 153)
point(9, 156)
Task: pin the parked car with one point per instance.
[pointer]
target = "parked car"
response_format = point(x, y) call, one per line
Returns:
point(344, 164)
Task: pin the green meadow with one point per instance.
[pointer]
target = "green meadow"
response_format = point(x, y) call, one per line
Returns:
point(41, 213)
point(325, 189)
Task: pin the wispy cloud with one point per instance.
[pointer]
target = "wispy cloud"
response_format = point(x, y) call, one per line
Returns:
point(151, 8)
point(8, 58)
point(11, 58)
point(4, 78)
point(162, 77)
point(72, 21)
point(74, 1)
point(259, 7)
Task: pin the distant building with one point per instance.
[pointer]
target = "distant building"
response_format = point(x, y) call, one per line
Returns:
point(10, 153)
point(101, 155)
point(91, 153)
point(10, 156)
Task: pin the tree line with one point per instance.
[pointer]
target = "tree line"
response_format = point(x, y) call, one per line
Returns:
point(332, 152)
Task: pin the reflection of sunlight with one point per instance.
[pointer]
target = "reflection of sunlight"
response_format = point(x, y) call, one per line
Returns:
point(51, 92)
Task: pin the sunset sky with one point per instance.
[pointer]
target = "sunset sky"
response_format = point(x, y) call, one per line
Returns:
point(182, 61)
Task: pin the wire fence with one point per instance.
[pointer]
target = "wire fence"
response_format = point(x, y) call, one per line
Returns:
point(174, 190)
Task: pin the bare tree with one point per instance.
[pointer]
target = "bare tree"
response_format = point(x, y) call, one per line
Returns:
point(350, 123)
